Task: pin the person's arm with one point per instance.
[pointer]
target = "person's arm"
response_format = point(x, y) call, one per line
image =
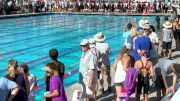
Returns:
point(174, 78)
point(152, 74)
point(165, 84)
point(13, 92)
point(53, 94)
point(92, 74)
point(126, 63)
point(27, 85)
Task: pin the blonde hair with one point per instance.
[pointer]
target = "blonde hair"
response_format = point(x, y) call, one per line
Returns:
point(133, 31)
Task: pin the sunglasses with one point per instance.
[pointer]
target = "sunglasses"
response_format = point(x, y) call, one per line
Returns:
point(145, 29)
point(83, 45)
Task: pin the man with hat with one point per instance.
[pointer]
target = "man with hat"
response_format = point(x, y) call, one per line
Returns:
point(104, 49)
point(87, 71)
point(167, 35)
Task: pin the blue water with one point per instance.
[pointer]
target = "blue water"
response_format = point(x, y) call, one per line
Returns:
point(30, 38)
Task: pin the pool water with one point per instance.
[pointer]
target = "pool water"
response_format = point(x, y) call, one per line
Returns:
point(28, 40)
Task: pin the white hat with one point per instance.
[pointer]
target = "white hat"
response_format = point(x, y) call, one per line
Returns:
point(84, 42)
point(99, 37)
point(91, 42)
point(146, 21)
point(128, 45)
point(141, 23)
point(146, 26)
point(167, 24)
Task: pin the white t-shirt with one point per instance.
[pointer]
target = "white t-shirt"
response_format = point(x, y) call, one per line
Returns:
point(104, 49)
point(165, 66)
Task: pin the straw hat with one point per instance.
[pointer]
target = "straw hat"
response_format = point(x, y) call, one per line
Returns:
point(167, 24)
point(84, 42)
point(141, 23)
point(99, 37)
point(146, 26)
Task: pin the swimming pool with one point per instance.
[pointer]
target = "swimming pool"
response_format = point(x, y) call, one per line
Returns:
point(28, 40)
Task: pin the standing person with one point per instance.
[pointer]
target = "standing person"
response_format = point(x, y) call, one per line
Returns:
point(165, 67)
point(8, 89)
point(128, 32)
point(143, 42)
point(145, 69)
point(56, 89)
point(155, 43)
point(121, 63)
point(158, 22)
point(92, 45)
point(104, 49)
point(32, 82)
point(20, 78)
point(53, 54)
point(87, 70)
point(167, 35)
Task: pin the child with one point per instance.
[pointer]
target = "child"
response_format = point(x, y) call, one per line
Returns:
point(57, 92)
point(32, 82)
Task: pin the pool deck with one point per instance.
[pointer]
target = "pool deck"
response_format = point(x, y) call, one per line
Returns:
point(111, 96)
point(86, 13)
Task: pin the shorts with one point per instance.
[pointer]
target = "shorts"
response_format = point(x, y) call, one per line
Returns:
point(88, 93)
point(167, 45)
point(143, 82)
point(159, 84)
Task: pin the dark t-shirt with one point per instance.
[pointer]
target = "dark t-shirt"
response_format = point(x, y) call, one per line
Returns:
point(19, 79)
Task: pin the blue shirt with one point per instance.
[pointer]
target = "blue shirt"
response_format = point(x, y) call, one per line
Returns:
point(135, 55)
point(143, 43)
point(5, 87)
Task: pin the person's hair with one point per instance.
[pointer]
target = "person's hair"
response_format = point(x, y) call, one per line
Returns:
point(53, 54)
point(52, 65)
point(13, 63)
point(152, 27)
point(123, 51)
point(25, 68)
point(129, 26)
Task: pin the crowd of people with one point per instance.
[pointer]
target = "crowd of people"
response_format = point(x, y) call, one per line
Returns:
point(145, 56)
point(9, 7)
point(138, 61)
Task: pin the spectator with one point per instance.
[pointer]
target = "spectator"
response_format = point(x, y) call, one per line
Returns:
point(20, 78)
point(56, 90)
point(127, 33)
point(163, 68)
point(53, 54)
point(87, 70)
point(104, 49)
point(8, 89)
point(143, 42)
point(32, 82)
point(121, 64)
point(167, 35)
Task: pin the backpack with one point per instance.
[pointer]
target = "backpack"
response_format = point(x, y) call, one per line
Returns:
point(129, 83)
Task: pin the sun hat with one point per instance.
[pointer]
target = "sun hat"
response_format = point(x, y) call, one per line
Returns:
point(128, 45)
point(141, 23)
point(91, 42)
point(146, 21)
point(99, 37)
point(84, 42)
point(167, 24)
point(146, 26)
